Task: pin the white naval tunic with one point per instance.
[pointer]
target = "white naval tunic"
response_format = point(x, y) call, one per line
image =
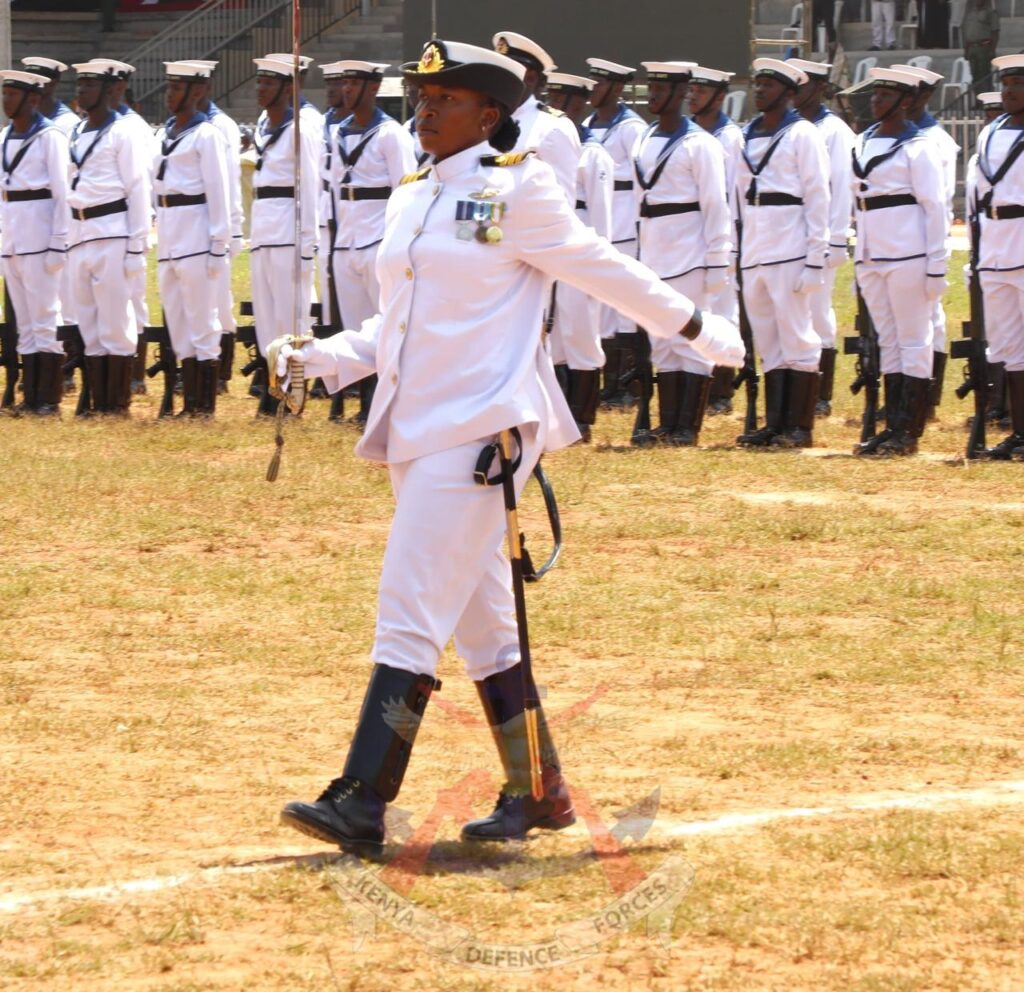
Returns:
point(553, 137)
point(783, 245)
point(109, 164)
point(730, 136)
point(999, 184)
point(900, 247)
point(224, 298)
point(65, 119)
point(325, 211)
point(191, 163)
point(146, 138)
point(35, 232)
point(457, 346)
point(684, 169)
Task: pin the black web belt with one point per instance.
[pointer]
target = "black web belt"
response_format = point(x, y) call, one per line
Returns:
point(274, 192)
point(100, 210)
point(181, 199)
point(774, 200)
point(1006, 211)
point(20, 195)
point(883, 202)
point(667, 209)
point(364, 192)
point(623, 184)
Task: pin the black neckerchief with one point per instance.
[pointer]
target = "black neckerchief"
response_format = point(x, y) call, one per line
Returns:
point(663, 155)
point(80, 129)
point(862, 172)
point(272, 138)
point(39, 122)
point(171, 141)
point(328, 121)
point(790, 118)
point(1015, 151)
point(351, 160)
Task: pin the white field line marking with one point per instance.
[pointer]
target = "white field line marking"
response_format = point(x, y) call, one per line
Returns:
point(995, 794)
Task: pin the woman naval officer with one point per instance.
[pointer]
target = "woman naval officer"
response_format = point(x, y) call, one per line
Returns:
point(471, 243)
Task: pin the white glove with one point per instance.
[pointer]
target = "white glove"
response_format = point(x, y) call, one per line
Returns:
point(967, 277)
point(285, 352)
point(719, 341)
point(809, 280)
point(836, 257)
point(134, 264)
point(215, 265)
point(934, 287)
point(235, 246)
point(715, 281)
point(55, 262)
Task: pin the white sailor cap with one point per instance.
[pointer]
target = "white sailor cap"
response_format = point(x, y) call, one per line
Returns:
point(452, 63)
point(354, 69)
point(1009, 65)
point(784, 72)
point(992, 100)
point(187, 71)
point(562, 82)
point(815, 70)
point(50, 68)
point(305, 61)
point(894, 79)
point(31, 82)
point(274, 67)
point(925, 77)
point(210, 64)
point(95, 69)
point(121, 70)
point(711, 77)
point(603, 69)
point(669, 72)
point(524, 50)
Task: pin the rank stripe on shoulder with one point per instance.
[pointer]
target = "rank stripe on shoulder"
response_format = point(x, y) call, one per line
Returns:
point(551, 110)
point(414, 177)
point(509, 158)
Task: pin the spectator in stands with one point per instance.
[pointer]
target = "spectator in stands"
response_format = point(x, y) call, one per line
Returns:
point(933, 27)
point(980, 32)
point(883, 24)
point(823, 12)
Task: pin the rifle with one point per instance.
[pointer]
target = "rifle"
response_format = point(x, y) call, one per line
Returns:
point(972, 346)
point(9, 351)
point(71, 333)
point(640, 380)
point(246, 336)
point(322, 330)
point(747, 376)
point(166, 362)
point(865, 347)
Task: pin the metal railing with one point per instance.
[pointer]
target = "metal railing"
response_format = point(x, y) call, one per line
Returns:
point(233, 32)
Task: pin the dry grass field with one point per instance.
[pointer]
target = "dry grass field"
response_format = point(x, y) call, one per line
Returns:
point(791, 682)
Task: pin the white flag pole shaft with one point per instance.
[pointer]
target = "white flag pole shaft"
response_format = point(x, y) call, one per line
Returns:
point(297, 140)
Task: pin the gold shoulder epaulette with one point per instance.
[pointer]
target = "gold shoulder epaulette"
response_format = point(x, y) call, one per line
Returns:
point(509, 158)
point(551, 110)
point(414, 177)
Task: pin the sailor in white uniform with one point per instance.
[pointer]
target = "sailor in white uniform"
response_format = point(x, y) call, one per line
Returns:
point(782, 187)
point(51, 105)
point(34, 221)
point(190, 190)
point(900, 203)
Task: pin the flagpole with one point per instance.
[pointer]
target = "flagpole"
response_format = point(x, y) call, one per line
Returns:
point(297, 140)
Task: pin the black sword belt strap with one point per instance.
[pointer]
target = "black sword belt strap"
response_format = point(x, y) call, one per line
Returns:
point(21, 195)
point(274, 192)
point(1001, 211)
point(667, 209)
point(180, 199)
point(623, 184)
point(30, 138)
point(884, 202)
point(80, 162)
point(100, 210)
point(272, 140)
point(756, 170)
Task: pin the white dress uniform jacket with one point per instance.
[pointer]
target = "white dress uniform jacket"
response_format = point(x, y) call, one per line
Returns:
point(457, 345)
point(232, 138)
point(553, 137)
point(64, 118)
point(839, 141)
point(619, 138)
point(730, 136)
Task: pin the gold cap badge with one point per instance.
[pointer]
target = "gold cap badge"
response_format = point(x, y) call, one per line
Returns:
point(502, 47)
point(431, 60)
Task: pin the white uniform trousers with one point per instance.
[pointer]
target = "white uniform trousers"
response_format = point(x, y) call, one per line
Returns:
point(883, 23)
point(1004, 317)
point(895, 298)
point(726, 302)
point(273, 294)
point(36, 298)
point(187, 295)
point(444, 572)
point(823, 316)
point(676, 354)
point(355, 282)
point(68, 310)
point(780, 317)
point(575, 339)
point(617, 324)
point(938, 326)
point(137, 288)
point(103, 298)
point(223, 302)
point(323, 259)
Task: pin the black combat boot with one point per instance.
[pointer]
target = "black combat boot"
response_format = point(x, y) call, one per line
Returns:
point(774, 404)
point(96, 377)
point(350, 811)
point(720, 397)
point(29, 385)
point(910, 418)
point(258, 382)
point(584, 393)
point(670, 386)
point(938, 378)
point(367, 387)
point(612, 362)
point(138, 373)
point(823, 408)
point(892, 383)
point(998, 409)
point(517, 812)
point(50, 384)
point(189, 387)
point(562, 378)
point(693, 402)
point(119, 383)
point(268, 402)
point(208, 382)
point(798, 421)
point(226, 365)
point(1006, 448)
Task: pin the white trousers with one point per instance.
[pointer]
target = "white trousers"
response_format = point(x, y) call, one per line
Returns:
point(575, 339)
point(615, 322)
point(103, 298)
point(823, 316)
point(188, 295)
point(677, 354)
point(323, 259)
point(355, 282)
point(883, 23)
point(273, 293)
point(780, 317)
point(223, 301)
point(726, 303)
point(938, 326)
point(36, 298)
point(137, 287)
point(1004, 317)
point(895, 298)
point(68, 310)
point(444, 572)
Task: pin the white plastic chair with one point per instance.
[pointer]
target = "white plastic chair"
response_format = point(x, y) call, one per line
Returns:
point(794, 30)
point(920, 62)
point(909, 26)
point(956, 18)
point(860, 71)
point(959, 80)
point(733, 105)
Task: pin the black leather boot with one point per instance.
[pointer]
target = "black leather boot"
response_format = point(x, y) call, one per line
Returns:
point(138, 373)
point(693, 402)
point(350, 811)
point(50, 384)
point(798, 421)
point(774, 404)
point(562, 378)
point(612, 362)
point(208, 381)
point(29, 385)
point(892, 383)
point(189, 388)
point(367, 388)
point(823, 408)
point(670, 386)
point(517, 812)
point(910, 418)
point(96, 377)
point(119, 383)
point(1006, 448)
point(226, 365)
point(938, 378)
point(268, 403)
point(720, 397)
point(584, 392)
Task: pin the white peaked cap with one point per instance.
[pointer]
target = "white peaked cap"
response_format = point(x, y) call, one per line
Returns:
point(669, 70)
point(702, 74)
point(1007, 62)
point(925, 76)
point(274, 67)
point(186, 70)
point(564, 81)
point(24, 80)
point(38, 62)
point(353, 67)
point(819, 70)
point(896, 78)
point(991, 99)
point(516, 46)
point(788, 73)
point(121, 69)
point(610, 70)
point(305, 61)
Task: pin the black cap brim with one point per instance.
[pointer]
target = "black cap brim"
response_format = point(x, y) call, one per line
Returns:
point(491, 80)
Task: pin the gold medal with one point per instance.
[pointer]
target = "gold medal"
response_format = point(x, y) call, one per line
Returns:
point(485, 194)
point(494, 234)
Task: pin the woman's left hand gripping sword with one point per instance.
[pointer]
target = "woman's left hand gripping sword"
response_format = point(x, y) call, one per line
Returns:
point(286, 380)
